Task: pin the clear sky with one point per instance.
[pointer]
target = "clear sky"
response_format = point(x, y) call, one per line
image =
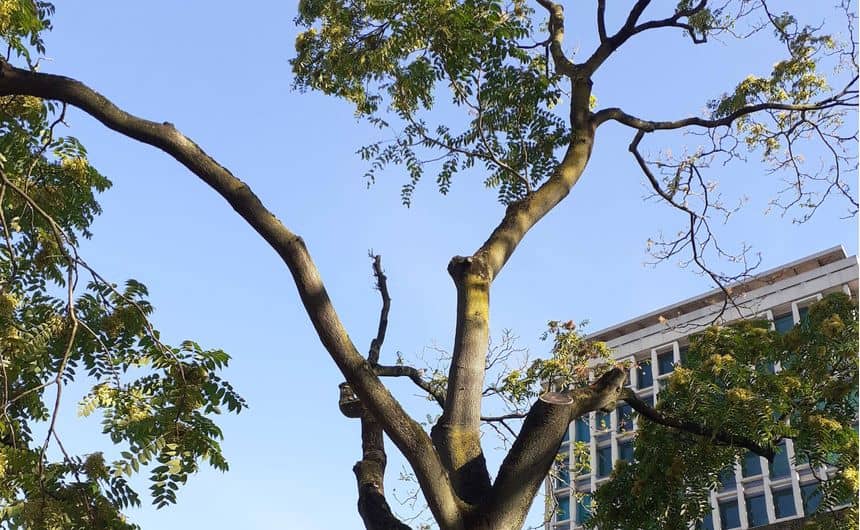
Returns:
point(219, 71)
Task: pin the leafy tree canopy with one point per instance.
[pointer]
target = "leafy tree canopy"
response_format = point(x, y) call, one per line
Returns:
point(531, 125)
point(60, 321)
point(728, 382)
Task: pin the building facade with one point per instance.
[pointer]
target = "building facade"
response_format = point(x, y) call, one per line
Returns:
point(755, 493)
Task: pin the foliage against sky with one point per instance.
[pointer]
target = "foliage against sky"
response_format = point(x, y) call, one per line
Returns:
point(514, 141)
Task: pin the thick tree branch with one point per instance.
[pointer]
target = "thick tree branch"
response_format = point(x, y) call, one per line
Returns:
point(522, 215)
point(692, 427)
point(457, 434)
point(527, 463)
point(601, 20)
point(563, 65)
point(608, 45)
point(407, 434)
point(369, 474)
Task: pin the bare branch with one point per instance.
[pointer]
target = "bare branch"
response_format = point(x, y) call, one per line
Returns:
point(382, 286)
point(697, 222)
point(503, 417)
point(415, 375)
point(845, 98)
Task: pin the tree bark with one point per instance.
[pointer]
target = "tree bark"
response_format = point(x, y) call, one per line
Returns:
point(457, 434)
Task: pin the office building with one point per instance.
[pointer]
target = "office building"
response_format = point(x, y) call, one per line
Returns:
point(755, 493)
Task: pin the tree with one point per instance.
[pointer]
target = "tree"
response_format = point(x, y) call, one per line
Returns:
point(532, 125)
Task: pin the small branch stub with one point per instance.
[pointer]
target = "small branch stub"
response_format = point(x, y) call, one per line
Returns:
point(348, 402)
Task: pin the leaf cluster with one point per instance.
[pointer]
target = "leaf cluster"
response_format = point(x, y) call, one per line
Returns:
point(392, 58)
point(61, 322)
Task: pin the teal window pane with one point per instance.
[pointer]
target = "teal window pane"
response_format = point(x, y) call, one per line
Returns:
point(625, 418)
point(783, 503)
point(811, 496)
point(756, 510)
point(783, 323)
point(665, 362)
point(604, 461)
point(649, 399)
point(727, 478)
point(583, 509)
point(563, 511)
point(581, 431)
point(625, 451)
point(751, 464)
point(644, 375)
point(729, 515)
point(562, 479)
point(602, 421)
point(804, 315)
point(683, 354)
point(706, 524)
point(780, 467)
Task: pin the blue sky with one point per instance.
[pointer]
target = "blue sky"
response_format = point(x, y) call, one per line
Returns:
point(219, 71)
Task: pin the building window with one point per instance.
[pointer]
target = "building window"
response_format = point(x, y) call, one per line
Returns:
point(665, 362)
point(751, 465)
point(706, 524)
point(644, 376)
point(803, 313)
point(583, 509)
point(682, 354)
point(625, 451)
point(783, 503)
point(729, 515)
point(562, 479)
point(779, 467)
point(727, 478)
point(783, 323)
point(602, 421)
point(811, 496)
point(756, 510)
point(563, 510)
point(581, 431)
point(604, 461)
point(625, 418)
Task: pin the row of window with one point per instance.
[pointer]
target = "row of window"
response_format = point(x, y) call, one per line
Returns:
point(756, 507)
point(751, 467)
point(583, 508)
